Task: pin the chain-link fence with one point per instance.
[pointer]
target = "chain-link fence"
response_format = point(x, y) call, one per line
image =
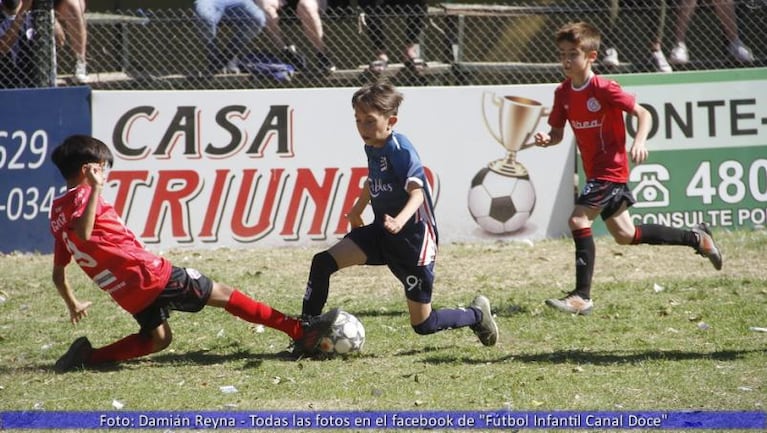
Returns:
point(461, 44)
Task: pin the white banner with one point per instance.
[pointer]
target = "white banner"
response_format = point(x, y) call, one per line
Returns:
point(266, 168)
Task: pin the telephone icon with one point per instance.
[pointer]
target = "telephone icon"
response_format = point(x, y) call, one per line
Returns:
point(650, 191)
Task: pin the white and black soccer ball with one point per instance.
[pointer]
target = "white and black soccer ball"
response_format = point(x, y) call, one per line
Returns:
point(347, 335)
point(500, 204)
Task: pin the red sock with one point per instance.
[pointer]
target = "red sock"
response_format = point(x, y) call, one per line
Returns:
point(253, 311)
point(132, 346)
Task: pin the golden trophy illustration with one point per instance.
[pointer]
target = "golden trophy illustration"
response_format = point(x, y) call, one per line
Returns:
point(502, 197)
point(517, 121)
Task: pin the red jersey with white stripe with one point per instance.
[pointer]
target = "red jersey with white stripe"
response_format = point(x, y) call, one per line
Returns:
point(113, 258)
point(595, 112)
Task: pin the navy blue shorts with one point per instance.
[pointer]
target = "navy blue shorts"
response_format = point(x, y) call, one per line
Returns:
point(605, 195)
point(401, 253)
point(187, 290)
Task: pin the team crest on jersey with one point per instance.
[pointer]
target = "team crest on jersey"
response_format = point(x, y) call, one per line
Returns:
point(383, 163)
point(593, 105)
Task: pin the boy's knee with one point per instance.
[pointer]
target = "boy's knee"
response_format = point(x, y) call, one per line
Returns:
point(161, 339)
point(428, 326)
point(324, 262)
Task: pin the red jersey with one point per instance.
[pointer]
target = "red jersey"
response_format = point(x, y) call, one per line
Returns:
point(113, 258)
point(595, 112)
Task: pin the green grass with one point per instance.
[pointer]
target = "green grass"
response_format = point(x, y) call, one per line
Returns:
point(687, 346)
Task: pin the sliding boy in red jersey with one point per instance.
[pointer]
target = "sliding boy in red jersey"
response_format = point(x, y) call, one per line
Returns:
point(88, 229)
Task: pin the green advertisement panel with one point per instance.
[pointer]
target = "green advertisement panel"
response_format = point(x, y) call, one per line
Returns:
point(723, 187)
point(708, 149)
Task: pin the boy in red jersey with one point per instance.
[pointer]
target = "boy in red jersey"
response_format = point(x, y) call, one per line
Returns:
point(594, 107)
point(88, 229)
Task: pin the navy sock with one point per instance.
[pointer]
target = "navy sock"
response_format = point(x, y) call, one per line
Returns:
point(323, 266)
point(447, 318)
point(585, 256)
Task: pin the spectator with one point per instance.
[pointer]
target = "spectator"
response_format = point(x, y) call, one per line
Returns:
point(725, 11)
point(70, 25)
point(308, 12)
point(15, 44)
point(247, 19)
point(415, 14)
point(657, 58)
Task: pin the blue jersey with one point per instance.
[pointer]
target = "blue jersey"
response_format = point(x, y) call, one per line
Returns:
point(390, 168)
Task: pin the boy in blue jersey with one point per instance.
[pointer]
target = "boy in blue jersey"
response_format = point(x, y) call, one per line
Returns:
point(403, 235)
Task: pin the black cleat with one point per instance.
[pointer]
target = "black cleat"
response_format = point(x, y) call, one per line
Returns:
point(315, 328)
point(76, 356)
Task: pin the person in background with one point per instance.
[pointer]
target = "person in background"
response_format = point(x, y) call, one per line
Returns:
point(16, 45)
point(375, 13)
point(308, 12)
point(246, 18)
point(87, 230)
point(595, 107)
point(657, 58)
point(71, 28)
point(725, 11)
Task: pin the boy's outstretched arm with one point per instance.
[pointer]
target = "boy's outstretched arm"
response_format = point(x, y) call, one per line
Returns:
point(395, 224)
point(553, 137)
point(355, 213)
point(84, 225)
point(77, 309)
point(638, 151)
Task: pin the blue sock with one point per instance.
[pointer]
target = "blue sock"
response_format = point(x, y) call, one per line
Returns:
point(447, 318)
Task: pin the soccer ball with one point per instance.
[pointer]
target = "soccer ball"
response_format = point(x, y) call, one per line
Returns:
point(500, 204)
point(347, 335)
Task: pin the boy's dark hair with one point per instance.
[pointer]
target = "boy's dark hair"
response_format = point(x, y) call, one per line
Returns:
point(380, 96)
point(582, 34)
point(77, 150)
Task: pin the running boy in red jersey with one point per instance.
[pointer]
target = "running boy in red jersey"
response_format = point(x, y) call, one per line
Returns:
point(594, 107)
point(88, 229)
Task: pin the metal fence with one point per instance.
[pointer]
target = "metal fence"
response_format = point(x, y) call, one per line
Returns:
point(461, 44)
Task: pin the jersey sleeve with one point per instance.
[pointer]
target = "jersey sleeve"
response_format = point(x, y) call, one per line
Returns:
point(558, 116)
point(614, 93)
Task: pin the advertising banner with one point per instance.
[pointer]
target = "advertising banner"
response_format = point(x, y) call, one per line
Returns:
point(708, 149)
point(33, 122)
point(255, 168)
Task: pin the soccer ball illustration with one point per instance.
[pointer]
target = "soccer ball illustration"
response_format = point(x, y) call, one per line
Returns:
point(499, 203)
point(347, 335)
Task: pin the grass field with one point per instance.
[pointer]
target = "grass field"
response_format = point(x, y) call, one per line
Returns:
point(668, 332)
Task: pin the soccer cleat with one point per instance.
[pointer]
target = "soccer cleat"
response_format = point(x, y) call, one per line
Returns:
point(611, 58)
point(81, 72)
point(679, 54)
point(572, 303)
point(75, 357)
point(660, 62)
point(706, 245)
point(315, 328)
point(486, 330)
point(740, 52)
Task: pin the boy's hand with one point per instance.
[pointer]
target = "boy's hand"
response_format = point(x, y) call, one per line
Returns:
point(78, 311)
point(355, 219)
point(391, 225)
point(542, 139)
point(638, 152)
point(96, 174)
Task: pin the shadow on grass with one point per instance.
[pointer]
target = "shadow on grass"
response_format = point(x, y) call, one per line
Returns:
point(602, 357)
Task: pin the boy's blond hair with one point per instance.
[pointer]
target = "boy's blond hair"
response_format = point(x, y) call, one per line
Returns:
point(584, 35)
point(380, 96)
